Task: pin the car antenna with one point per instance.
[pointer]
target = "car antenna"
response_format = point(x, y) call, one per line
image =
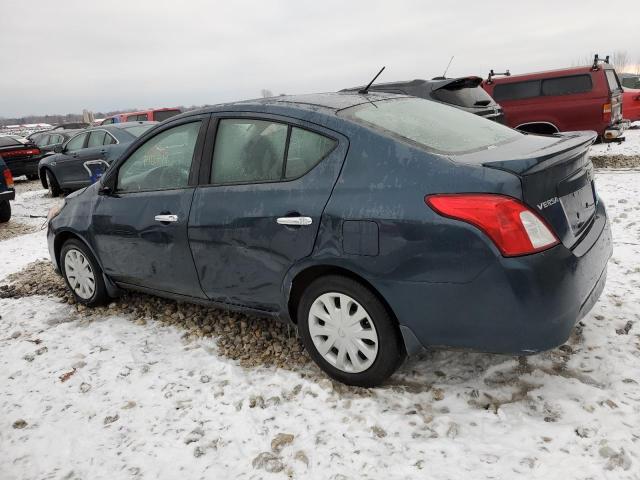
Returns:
point(444, 74)
point(365, 90)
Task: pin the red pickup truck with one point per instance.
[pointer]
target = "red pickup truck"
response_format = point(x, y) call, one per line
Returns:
point(580, 98)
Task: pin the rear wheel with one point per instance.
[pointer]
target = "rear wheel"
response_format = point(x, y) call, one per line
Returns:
point(52, 184)
point(348, 332)
point(82, 274)
point(5, 211)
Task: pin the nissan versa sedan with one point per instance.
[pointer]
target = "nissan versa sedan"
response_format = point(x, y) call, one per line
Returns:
point(67, 171)
point(377, 224)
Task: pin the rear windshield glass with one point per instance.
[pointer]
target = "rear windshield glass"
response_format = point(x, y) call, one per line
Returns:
point(612, 80)
point(463, 97)
point(8, 141)
point(138, 129)
point(431, 125)
point(163, 115)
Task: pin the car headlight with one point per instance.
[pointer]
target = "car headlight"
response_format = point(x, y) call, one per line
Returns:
point(55, 211)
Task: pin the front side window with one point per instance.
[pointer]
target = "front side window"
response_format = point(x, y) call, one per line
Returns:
point(516, 90)
point(566, 85)
point(306, 149)
point(44, 140)
point(108, 139)
point(77, 142)
point(163, 162)
point(96, 139)
point(431, 125)
point(248, 151)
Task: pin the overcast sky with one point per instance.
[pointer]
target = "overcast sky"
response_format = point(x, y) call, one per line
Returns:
point(63, 56)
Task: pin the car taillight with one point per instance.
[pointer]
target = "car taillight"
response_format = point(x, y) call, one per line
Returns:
point(606, 112)
point(8, 178)
point(21, 153)
point(511, 225)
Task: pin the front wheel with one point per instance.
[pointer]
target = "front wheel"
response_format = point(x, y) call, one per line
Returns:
point(5, 211)
point(82, 274)
point(348, 332)
point(52, 184)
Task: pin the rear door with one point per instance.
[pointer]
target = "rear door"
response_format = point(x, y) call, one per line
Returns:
point(258, 212)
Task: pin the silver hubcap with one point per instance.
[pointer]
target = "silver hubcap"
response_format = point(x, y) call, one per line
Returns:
point(343, 332)
point(79, 274)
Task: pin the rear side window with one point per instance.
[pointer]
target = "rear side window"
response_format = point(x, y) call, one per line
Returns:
point(306, 149)
point(44, 140)
point(516, 90)
point(96, 139)
point(164, 114)
point(108, 139)
point(248, 151)
point(430, 125)
point(567, 85)
point(612, 80)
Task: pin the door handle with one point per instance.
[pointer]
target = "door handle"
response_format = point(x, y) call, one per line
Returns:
point(166, 218)
point(297, 221)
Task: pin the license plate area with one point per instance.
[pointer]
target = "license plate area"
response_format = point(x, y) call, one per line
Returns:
point(578, 199)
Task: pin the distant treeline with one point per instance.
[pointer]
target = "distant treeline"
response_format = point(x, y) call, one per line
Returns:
point(69, 117)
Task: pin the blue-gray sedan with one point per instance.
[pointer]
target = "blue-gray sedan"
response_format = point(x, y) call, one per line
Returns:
point(377, 224)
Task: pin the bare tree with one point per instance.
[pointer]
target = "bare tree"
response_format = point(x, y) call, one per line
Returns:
point(266, 93)
point(620, 60)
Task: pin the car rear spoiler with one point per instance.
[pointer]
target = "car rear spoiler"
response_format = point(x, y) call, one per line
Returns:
point(456, 83)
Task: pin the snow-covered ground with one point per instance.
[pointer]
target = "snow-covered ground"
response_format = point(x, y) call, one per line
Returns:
point(630, 146)
point(109, 398)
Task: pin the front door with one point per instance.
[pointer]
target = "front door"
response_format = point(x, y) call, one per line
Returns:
point(268, 185)
point(140, 230)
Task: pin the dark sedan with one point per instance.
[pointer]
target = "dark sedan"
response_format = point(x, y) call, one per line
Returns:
point(7, 192)
point(67, 170)
point(375, 224)
point(465, 93)
point(20, 155)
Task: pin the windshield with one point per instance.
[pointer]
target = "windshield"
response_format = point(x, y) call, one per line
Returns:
point(138, 129)
point(431, 125)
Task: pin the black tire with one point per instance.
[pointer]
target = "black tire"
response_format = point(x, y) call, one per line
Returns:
point(390, 353)
point(100, 295)
point(52, 184)
point(32, 176)
point(5, 211)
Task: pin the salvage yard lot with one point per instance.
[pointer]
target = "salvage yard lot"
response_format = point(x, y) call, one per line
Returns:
point(146, 388)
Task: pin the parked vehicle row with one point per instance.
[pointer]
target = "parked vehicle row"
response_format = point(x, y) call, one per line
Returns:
point(375, 223)
point(68, 168)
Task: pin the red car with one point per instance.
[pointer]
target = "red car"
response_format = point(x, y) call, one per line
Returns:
point(569, 99)
point(631, 104)
point(153, 115)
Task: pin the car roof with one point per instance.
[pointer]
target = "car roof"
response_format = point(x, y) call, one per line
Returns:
point(120, 126)
point(433, 84)
point(327, 103)
point(559, 72)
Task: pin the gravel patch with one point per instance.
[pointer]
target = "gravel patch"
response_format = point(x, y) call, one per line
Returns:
point(616, 161)
point(13, 229)
point(251, 340)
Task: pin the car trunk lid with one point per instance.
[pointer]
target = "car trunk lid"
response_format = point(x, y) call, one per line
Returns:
point(556, 176)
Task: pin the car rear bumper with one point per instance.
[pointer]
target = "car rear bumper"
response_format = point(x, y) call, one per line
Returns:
point(615, 131)
point(23, 166)
point(516, 305)
point(7, 195)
